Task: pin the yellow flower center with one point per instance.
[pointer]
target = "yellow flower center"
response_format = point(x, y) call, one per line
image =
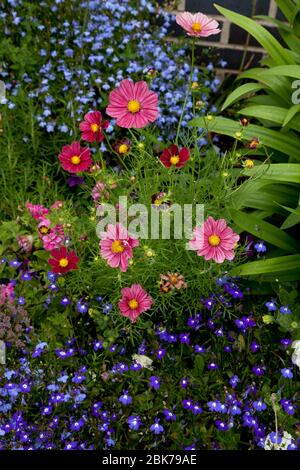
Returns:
point(123, 149)
point(94, 127)
point(196, 27)
point(249, 163)
point(174, 159)
point(117, 246)
point(133, 304)
point(133, 106)
point(158, 202)
point(75, 160)
point(173, 279)
point(63, 262)
point(214, 240)
point(44, 230)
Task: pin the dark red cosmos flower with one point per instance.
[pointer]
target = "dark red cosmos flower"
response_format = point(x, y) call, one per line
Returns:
point(172, 156)
point(63, 261)
point(75, 159)
point(92, 127)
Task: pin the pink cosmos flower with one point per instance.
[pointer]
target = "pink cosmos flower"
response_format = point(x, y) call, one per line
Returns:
point(198, 25)
point(75, 159)
point(57, 205)
point(133, 104)
point(99, 190)
point(52, 238)
point(36, 210)
point(92, 127)
point(116, 246)
point(214, 240)
point(25, 242)
point(135, 300)
point(7, 293)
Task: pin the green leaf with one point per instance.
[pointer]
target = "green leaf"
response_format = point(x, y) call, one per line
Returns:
point(264, 230)
point(286, 143)
point(292, 220)
point(199, 366)
point(268, 42)
point(286, 172)
point(278, 23)
point(291, 113)
point(291, 40)
point(42, 254)
point(292, 71)
point(278, 265)
point(279, 85)
point(280, 116)
point(241, 92)
point(287, 7)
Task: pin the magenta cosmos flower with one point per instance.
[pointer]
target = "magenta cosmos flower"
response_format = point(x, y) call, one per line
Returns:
point(214, 240)
point(36, 210)
point(174, 157)
point(198, 25)
point(116, 246)
point(133, 104)
point(135, 300)
point(92, 127)
point(75, 159)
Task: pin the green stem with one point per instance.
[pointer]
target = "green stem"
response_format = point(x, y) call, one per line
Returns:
point(116, 153)
point(188, 90)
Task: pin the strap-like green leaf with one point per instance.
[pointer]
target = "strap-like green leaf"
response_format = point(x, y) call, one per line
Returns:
point(286, 172)
point(292, 220)
point(268, 42)
point(286, 143)
point(287, 7)
point(282, 264)
point(278, 84)
point(281, 116)
point(241, 92)
point(265, 231)
point(292, 71)
point(291, 113)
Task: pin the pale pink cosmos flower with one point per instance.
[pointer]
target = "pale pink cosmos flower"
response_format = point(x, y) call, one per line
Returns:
point(135, 300)
point(36, 210)
point(25, 242)
point(7, 293)
point(116, 246)
point(57, 205)
point(52, 238)
point(214, 240)
point(133, 104)
point(99, 190)
point(198, 25)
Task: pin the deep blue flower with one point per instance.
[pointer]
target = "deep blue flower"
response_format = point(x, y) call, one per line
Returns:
point(259, 405)
point(154, 382)
point(65, 301)
point(260, 247)
point(234, 381)
point(259, 370)
point(169, 415)
point(125, 399)
point(287, 373)
point(134, 422)
point(285, 310)
point(157, 428)
point(271, 306)
point(184, 338)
